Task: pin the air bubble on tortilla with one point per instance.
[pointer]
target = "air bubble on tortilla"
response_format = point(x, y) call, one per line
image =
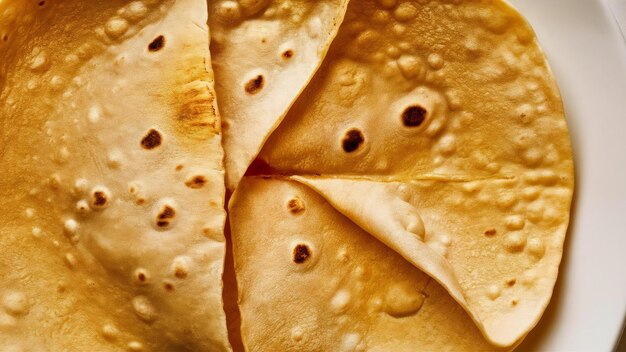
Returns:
point(530, 193)
point(506, 200)
point(515, 242)
point(7, 322)
point(15, 303)
point(95, 114)
point(351, 342)
point(435, 126)
point(532, 157)
point(405, 11)
point(29, 213)
point(180, 267)
point(70, 227)
point(114, 159)
point(36, 232)
point(472, 47)
point(398, 29)
point(453, 98)
point(315, 27)
point(70, 260)
point(343, 255)
point(402, 301)
point(297, 334)
point(164, 214)
point(410, 66)
point(116, 27)
point(100, 198)
point(493, 292)
point(228, 12)
point(39, 62)
point(515, 222)
point(110, 332)
point(435, 61)
point(447, 145)
point(80, 187)
point(470, 187)
point(536, 247)
point(535, 211)
point(416, 227)
point(54, 181)
point(135, 346)
point(381, 17)
point(56, 83)
point(367, 40)
point(340, 301)
point(393, 52)
point(135, 11)
point(387, 3)
point(143, 308)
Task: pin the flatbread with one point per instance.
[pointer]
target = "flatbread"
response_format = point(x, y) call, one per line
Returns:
point(312, 280)
point(112, 184)
point(264, 54)
point(455, 93)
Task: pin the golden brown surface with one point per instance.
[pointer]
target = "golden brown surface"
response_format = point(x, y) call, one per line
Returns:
point(107, 111)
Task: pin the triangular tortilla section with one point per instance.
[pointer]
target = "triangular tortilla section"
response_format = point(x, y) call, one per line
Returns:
point(264, 54)
point(311, 280)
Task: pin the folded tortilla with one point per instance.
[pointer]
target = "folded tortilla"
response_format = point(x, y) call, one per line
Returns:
point(312, 280)
point(264, 54)
point(112, 183)
point(455, 102)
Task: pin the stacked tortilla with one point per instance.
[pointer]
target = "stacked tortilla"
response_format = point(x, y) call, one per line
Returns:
point(401, 175)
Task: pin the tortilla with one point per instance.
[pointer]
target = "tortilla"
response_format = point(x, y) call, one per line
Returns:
point(459, 96)
point(112, 187)
point(312, 280)
point(264, 54)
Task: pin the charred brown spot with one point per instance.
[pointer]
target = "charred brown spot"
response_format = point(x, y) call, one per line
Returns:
point(301, 253)
point(167, 213)
point(255, 85)
point(5, 38)
point(196, 182)
point(151, 140)
point(178, 167)
point(41, 3)
point(288, 54)
point(511, 282)
point(165, 216)
point(295, 206)
point(352, 140)
point(141, 277)
point(168, 286)
point(140, 201)
point(490, 232)
point(99, 199)
point(180, 273)
point(414, 116)
point(157, 44)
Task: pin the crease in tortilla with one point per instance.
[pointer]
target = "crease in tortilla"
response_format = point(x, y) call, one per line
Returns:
point(112, 187)
point(264, 54)
point(460, 90)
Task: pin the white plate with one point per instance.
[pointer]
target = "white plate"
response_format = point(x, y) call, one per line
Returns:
point(588, 55)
